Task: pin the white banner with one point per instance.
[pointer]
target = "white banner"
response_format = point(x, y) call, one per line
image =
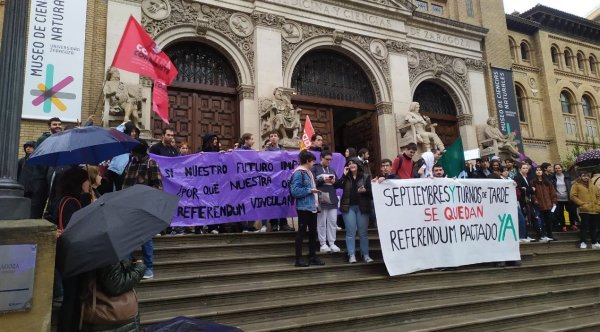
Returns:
point(54, 63)
point(429, 223)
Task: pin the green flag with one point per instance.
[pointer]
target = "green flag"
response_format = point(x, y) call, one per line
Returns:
point(453, 159)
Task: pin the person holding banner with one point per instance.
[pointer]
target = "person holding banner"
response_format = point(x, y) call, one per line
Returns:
point(355, 205)
point(304, 189)
point(544, 199)
point(279, 224)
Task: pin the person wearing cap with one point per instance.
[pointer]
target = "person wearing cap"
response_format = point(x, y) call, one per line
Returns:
point(24, 171)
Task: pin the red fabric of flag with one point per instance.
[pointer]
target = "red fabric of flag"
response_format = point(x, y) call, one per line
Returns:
point(305, 143)
point(138, 53)
point(160, 100)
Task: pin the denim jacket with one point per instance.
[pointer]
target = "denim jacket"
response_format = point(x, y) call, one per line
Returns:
point(301, 189)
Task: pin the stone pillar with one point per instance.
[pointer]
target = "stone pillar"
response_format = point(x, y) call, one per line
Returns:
point(479, 112)
point(388, 141)
point(12, 61)
point(401, 98)
point(249, 121)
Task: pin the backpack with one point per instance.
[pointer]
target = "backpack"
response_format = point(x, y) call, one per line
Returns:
point(293, 198)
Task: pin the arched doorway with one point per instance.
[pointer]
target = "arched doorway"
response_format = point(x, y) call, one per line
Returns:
point(438, 105)
point(337, 96)
point(203, 97)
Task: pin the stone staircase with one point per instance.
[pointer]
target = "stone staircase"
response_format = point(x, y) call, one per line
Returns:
point(249, 281)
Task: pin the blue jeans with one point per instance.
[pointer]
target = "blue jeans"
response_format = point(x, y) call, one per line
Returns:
point(522, 224)
point(354, 219)
point(148, 253)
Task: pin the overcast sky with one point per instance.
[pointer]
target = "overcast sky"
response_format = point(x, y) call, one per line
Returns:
point(576, 7)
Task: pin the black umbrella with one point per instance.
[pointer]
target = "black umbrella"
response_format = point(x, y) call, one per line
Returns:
point(85, 145)
point(110, 229)
point(589, 158)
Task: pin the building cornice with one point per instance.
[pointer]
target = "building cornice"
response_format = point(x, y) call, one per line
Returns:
point(537, 141)
point(519, 24)
point(574, 42)
point(525, 68)
point(563, 73)
point(448, 23)
point(551, 19)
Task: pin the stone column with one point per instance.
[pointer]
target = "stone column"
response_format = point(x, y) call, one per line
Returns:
point(401, 95)
point(387, 130)
point(12, 63)
point(249, 113)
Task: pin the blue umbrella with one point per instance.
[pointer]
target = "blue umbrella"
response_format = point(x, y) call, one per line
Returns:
point(85, 145)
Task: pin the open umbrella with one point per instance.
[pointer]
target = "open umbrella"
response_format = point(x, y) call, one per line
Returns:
point(589, 158)
point(110, 229)
point(85, 145)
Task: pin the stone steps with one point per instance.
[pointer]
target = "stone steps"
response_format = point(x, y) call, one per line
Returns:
point(249, 281)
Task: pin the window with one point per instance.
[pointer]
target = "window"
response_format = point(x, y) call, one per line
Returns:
point(593, 64)
point(568, 56)
point(422, 5)
point(524, 51)
point(565, 103)
point(511, 48)
point(586, 106)
point(521, 104)
point(470, 11)
point(570, 125)
point(437, 9)
point(580, 61)
point(554, 53)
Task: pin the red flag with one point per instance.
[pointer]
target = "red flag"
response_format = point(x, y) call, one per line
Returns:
point(305, 143)
point(160, 100)
point(138, 53)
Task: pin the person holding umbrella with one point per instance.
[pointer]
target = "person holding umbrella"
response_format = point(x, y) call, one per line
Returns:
point(143, 170)
point(72, 185)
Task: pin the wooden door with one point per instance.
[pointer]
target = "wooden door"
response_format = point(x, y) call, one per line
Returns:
point(447, 127)
point(321, 118)
point(193, 114)
point(363, 132)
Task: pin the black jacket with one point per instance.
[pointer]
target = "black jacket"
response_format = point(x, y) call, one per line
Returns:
point(364, 199)
point(317, 170)
point(119, 278)
point(163, 150)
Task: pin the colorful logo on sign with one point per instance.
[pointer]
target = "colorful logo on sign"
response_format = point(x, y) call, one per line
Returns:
point(50, 93)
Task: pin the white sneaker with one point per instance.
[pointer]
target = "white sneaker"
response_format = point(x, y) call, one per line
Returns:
point(214, 231)
point(583, 245)
point(325, 248)
point(550, 238)
point(368, 259)
point(543, 239)
point(263, 229)
point(338, 228)
point(335, 248)
point(352, 259)
point(596, 245)
point(529, 239)
point(524, 241)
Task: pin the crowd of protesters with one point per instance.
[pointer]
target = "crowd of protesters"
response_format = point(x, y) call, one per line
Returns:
point(545, 194)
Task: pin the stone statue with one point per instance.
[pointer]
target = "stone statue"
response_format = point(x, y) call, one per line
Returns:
point(123, 98)
point(506, 143)
point(420, 124)
point(278, 113)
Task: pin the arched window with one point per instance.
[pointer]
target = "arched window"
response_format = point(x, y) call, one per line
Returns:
point(591, 123)
point(565, 102)
point(593, 64)
point(569, 118)
point(521, 103)
point(568, 56)
point(511, 48)
point(580, 61)
point(586, 105)
point(554, 53)
point(201, 64)
point(525, 56)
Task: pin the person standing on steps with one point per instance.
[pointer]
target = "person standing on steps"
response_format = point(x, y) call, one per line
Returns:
point(355, 205)
point(587, 198)
point(327, 181)
point(304, 189)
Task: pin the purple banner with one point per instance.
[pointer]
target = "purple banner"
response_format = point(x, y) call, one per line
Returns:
point(221, 187)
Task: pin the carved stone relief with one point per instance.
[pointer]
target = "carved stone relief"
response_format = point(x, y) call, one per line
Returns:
point(476, 65)
point(597, 88)
point(156, 9)
point(384, 108)
point(237, 27)
point(576, 84)
point(378, 49)
point(245, 91)
point(413, 59)
point(397, 46)
point(241, 24)
point(291, 32)
point(268, 20)
point(123, 99)
point(278, 113)
point(439, 64)
point(368, 44)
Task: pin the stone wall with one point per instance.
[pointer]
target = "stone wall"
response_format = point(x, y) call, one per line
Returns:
point(42, 233)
